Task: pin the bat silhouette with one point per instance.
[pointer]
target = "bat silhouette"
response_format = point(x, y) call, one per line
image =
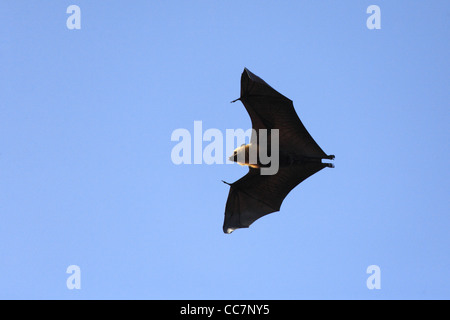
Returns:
point(299, 156)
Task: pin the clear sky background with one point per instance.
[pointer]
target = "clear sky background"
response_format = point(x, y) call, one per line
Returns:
point(86, 176)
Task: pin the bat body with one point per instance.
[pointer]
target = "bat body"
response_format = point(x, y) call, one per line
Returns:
point(257, 194)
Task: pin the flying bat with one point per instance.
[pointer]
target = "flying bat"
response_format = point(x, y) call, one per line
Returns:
point(272, 115)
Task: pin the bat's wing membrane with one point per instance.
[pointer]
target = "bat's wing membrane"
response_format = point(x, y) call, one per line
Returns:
point(268, 109)
point(255, 195)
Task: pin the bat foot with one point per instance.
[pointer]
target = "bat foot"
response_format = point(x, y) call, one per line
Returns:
point(330, 157)
point(329, 165)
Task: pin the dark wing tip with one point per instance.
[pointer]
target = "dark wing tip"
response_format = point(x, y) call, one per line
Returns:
point(253, 77)
point(251, 84)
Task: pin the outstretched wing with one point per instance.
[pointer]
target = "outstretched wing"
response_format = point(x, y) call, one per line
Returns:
point(255, 195)
point(268, 109)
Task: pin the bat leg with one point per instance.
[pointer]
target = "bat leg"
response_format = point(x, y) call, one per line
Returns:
point(329, 157)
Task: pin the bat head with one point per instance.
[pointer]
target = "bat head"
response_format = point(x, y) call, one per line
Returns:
point(238, 154)
point(245, 155)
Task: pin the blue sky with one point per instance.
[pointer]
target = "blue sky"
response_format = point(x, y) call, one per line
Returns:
point(86, 176)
